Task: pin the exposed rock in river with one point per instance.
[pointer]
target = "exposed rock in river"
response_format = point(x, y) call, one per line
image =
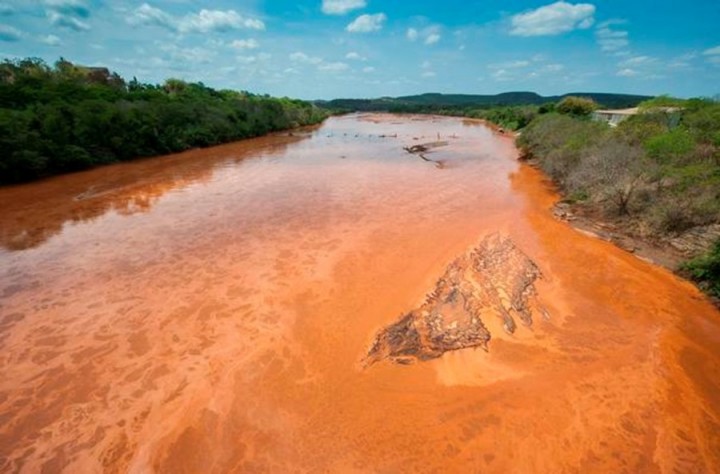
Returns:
point(493, 279)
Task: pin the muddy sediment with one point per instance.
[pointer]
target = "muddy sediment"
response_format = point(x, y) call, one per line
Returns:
point(206, 312)
point(492, 280)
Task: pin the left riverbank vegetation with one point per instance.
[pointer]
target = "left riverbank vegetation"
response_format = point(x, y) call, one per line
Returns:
point(65, 117)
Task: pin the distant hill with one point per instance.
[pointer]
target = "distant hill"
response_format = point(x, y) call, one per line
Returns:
point(435, 100)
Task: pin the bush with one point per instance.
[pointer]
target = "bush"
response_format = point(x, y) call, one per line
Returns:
point(576, 106)
point(706, 270)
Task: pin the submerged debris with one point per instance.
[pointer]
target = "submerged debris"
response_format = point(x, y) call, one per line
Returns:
point(494, 279)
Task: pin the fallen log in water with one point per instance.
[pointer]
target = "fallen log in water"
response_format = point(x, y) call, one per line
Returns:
point(423, 147)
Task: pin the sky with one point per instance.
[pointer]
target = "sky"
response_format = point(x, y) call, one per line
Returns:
point(324, 49)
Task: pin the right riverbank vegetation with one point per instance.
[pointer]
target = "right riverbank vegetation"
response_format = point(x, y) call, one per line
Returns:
point(655, 176)
point(65, 117)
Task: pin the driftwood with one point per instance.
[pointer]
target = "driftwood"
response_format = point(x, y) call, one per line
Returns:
point(423, 148)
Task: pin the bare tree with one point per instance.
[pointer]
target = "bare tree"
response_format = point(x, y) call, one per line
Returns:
point(612, 171)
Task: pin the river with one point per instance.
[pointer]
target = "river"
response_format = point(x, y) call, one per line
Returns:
point(210, 312)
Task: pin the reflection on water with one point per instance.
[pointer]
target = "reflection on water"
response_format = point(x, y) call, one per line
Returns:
point(123, 189)
point(208, 312)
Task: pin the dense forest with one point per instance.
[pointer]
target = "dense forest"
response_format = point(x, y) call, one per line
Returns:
point(65, 117)
point(657, 173)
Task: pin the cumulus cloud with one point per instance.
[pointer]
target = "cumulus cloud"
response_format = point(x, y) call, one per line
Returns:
point(70, 7)
point(627, 72)
point(517, 64)
point(432, 38)
point(204, 21)
point(300, 57)
point(50, 40)
point(637, 61)
point(9, 33)
point(429, 35)
point(355, 56)
point(67, 21)
point(367, 23)
point(333, 67)
point(341, 7)
point(368, 69)
point(188, 55)
point(610, 39)
point(554, 19)
point(712, 51)
point(245, 44)
point(428, 74)
point(68, 13)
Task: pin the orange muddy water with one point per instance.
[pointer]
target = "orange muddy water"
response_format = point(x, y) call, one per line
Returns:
point(209, 311)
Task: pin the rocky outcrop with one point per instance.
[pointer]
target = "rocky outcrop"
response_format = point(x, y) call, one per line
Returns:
point(493, 280)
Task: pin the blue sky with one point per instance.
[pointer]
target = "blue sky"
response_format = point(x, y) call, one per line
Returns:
point(369, 48)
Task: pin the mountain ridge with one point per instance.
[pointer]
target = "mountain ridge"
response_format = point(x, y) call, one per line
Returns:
point(512, 98)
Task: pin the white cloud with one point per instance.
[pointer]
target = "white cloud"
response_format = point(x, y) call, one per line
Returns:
point(611, 40)
point(67, 21)
point(187, 55)
point(627, 72)
point(69, 7)
point(333, 67)
point(429, 35)
point(554, 19)
point(637, 61)
point(204, 21)
point(502, 75)
point(300, 57)
point(426, 65)
point(432, 38)
point(245, 44)
point(518, 64)
point(341, 7)
point(216, 20)
point(9, 33)
point(428, 74)
point(553, 68)
point(368, 69)
point(367, 23)
point(50, 40)
point(712, 51)
point(149, 15)
point(353, 56)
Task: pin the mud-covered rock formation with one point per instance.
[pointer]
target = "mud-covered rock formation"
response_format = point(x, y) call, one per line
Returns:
point(492, 280)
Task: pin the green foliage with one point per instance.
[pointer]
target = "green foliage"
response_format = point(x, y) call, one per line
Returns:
point(667, 176)
point(576, 106)
point(68, 117)
point(706, 270)
point(662, 101)
point(669, 146)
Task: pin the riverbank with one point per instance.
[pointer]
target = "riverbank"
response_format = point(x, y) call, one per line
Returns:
point(65, 118)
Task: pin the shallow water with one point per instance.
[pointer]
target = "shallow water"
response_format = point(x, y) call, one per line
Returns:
point(208, 312)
